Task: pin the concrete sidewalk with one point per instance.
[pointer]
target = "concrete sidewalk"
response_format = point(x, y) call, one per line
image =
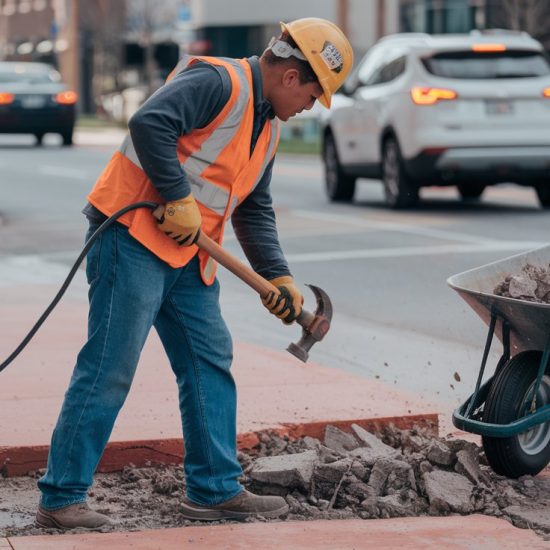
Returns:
point(453, 533)
point(110, 137)
point(276, 391)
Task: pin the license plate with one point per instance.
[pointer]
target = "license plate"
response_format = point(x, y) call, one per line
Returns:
point(33, 102)
point(499, 107)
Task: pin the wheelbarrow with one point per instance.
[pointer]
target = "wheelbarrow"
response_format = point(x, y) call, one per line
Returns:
point(511, 410)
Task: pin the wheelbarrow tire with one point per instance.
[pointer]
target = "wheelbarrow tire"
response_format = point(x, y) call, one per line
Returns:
point(505, 402)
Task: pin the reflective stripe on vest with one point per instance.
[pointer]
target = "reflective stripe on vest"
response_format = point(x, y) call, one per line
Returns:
point(217, 162)
point(213, 197)
point(210, 195)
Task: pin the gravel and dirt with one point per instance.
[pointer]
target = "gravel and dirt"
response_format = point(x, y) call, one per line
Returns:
point(395, 473)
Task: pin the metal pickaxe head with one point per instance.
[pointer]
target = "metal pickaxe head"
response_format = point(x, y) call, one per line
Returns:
point(314, 325)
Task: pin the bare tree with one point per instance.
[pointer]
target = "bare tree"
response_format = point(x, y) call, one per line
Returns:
point(150, 20)
point(101, 25)
point(531, 16)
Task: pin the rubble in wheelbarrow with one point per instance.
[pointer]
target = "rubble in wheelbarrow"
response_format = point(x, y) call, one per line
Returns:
point(394, 473)
point(532, 285)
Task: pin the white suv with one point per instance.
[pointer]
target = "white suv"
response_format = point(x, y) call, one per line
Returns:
point(467, 110)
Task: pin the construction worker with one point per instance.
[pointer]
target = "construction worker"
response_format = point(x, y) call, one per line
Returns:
point(203, 145)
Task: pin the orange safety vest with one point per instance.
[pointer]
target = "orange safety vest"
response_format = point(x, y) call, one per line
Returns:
point(218, 165)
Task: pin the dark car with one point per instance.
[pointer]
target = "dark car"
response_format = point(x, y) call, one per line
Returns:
point(34, 100)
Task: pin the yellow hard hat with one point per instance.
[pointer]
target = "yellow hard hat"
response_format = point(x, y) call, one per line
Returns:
point(326, 49)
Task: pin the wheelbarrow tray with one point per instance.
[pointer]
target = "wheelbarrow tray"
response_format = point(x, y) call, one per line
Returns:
point(519, 324)
point(529, 322)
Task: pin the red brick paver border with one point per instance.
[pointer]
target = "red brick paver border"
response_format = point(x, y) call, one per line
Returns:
point(16, 461)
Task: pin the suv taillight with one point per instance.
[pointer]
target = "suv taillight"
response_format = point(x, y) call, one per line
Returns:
point(66, 98)
point(429, 96)
point(546, 92)
point(5, 98)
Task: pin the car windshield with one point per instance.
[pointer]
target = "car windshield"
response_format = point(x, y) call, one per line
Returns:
point(29, 75)
point(488, 65)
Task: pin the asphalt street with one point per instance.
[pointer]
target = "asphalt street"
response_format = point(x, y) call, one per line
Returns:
point(395, 318)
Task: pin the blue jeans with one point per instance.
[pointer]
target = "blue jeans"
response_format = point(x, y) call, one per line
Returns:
point(130, 291)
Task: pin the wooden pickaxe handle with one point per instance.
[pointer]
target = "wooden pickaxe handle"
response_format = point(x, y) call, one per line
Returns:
point(314, 326)
point(262, 286)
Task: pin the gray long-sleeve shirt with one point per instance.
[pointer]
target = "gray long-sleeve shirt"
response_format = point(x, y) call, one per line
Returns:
point(191, 100)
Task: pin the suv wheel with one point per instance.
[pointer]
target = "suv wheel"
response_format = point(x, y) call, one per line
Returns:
point(543, 193)
point(67, 138)
point(399, 189)
point(339, 186)
point(472, 191)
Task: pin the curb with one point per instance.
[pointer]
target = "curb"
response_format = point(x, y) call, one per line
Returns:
point(19, 461)
point(404, 533)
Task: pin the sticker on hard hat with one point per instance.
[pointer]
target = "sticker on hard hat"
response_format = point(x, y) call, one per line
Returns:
point(332, 57)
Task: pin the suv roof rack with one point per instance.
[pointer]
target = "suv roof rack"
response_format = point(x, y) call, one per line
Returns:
point(493, 32)
point(420, 36)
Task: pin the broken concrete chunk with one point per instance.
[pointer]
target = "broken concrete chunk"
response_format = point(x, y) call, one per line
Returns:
point(508, 496)
point(536, 517)
point(543, 288)
point(389, 506)
point(369, 455)
point(339, 441)
point(425, 466)
point(390, 476)
point(327, 455)
point(359, 489)
point(532, 284)
point(379, 475)
point(359, 471)
point(370, 440)
point(467, 465)
point(413, 443)
point(448, 492)
point(439, 453)
point(460, 444)
point(522, 287)
point(401, 478)
point(333, 472)
point(311, 443)
point(294, 470)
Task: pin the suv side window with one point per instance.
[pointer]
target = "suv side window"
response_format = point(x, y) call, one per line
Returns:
point(382, 68)
point(393, 69)
point(371, 64)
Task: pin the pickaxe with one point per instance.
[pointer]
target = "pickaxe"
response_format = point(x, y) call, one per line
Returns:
point(314, 325)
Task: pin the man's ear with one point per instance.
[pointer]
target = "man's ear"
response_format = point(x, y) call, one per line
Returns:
point(291, 77)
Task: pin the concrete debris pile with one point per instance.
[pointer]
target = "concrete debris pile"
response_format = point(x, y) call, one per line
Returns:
point(532, 285)
point(402, 473)
point(358, 474)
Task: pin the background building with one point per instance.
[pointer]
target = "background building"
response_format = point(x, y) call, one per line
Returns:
point(115, 52)
point(458, 16)
point(240, 28)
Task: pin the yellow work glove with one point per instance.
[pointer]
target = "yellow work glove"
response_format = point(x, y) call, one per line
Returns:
point(288, 304)
point(181, 220)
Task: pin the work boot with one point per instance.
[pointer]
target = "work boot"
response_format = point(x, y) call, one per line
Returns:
point(70, 517)
point(244, 505)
